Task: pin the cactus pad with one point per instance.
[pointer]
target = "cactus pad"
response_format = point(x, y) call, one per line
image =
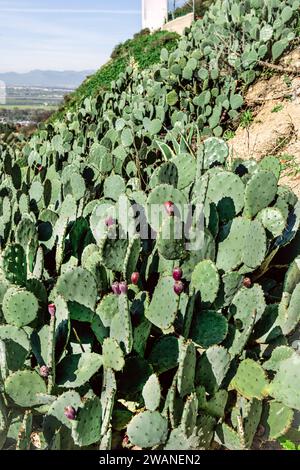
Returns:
point(113, 356)
point(205, 278)
point(14, 264)
point(276, 420)
point(86, 429)
point(250, 380)
point(284, 387)
point(226, 190)
point(273, 220)
point(212, 368)
point(107, 308)
point(208, 328)
point(152, 393)
point(75, 370)
point(55, 418)
point(121, 326)
point(164, 354)
point(78, 285)
point(186, 368)
point(20, 307)
point(260, 191)
point(23, 388)
point(163, 314)
point(148, 429)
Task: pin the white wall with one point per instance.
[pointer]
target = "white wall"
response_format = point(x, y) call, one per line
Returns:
point(154, 13)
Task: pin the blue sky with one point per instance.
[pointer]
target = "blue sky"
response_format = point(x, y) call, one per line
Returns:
point(67, 35)
point(64, 34)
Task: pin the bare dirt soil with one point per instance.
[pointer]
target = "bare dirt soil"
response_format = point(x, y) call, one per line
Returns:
point(274, 101)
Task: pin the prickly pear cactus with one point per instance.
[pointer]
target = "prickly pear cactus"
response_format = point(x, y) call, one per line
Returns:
point(144, 300)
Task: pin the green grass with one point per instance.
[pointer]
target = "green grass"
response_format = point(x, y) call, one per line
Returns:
point(286, 444)
point(277, 108)
point(289, 165)
point(228, 134)
point(246, 119)
point(144, 49)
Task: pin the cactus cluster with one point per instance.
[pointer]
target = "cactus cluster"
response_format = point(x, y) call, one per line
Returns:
point(173, 341)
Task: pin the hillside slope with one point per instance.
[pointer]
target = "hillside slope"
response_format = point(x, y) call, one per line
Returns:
point(143, 50)
point(274, 127)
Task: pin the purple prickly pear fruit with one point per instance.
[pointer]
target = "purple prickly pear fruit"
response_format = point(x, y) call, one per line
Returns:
point(109, 222)
point(70, 412)
point(39, 168)
point(44, 371)
point(135, 278)
point(52, 310)
point(177, 274)
point(169, 206)
point(178, 287)
point(247, 282)
point(123, 287)
point(116, 288)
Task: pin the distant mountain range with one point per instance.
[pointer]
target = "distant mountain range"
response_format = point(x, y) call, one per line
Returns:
point(45, 78)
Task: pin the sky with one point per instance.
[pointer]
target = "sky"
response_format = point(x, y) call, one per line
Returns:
point(64, 34)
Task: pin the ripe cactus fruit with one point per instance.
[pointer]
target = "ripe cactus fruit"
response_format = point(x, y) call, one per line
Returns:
point(247, 282)
point(44, 371)
point(70, 412)
point(116, 288)
point(109, 221)
point(51, 310)
point(178, 287)
point(123, 287)
point(177, 274)
point(169, 206)
point(135, 278)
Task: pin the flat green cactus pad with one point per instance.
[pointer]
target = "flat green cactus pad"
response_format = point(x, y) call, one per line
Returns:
point(23, 388)
point(284, 387)
point(152, 393)
point(205, 278)
point(163, 314)
point(75, 370)
point(86, 429)
point(148, 429)
point(78, 285)
point(208, 328)
point(113, 356)
point(250, 380)
point(20, 307)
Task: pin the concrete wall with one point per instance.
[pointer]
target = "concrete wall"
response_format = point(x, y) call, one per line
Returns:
point(179, 24)
point(154, 13)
